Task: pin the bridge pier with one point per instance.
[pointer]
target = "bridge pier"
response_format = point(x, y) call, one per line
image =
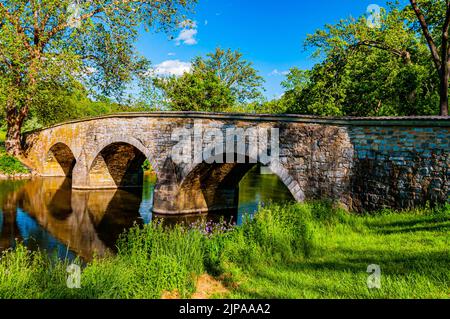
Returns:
point(170, 201)
point(206, 188)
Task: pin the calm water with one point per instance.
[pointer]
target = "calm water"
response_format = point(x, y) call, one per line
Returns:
point(45, 213)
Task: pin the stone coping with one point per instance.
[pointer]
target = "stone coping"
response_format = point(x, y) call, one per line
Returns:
point(409, 121)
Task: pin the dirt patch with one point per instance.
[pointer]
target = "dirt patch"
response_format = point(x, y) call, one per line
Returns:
point(207, 287)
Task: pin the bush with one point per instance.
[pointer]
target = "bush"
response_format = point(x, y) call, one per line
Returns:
point(276, 233)
point(11, 165)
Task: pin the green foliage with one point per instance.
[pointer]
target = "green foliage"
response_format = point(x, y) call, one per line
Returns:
point(275, 234)
point(150, 260)
point(365, 71)
point(196, 92)
point(146, 166)
point(9, 165)
point(411, 248)
point(223, 81)
point(233, 71)
point(74, 104)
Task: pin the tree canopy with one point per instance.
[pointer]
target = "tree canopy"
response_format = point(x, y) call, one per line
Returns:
point(365, 71)
point(196, 92)
point(57, 43)
point(218, 82)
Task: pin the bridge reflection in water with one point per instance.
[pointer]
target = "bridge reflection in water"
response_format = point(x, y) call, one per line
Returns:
point(46, 213)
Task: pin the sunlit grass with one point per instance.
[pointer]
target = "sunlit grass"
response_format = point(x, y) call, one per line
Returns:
point(411, 248)
point(9, 164)
point(287, 251)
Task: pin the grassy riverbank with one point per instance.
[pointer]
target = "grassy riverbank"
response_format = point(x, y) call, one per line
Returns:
point(293, 251)
point(9, 165)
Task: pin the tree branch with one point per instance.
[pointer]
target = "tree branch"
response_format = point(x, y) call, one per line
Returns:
point(427, 34)
point(36, 27)
point(379, 45)
point(19, 29)
point(64, 25)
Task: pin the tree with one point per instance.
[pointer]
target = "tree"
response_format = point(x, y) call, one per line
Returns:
point(56, 43)
point(217, 83)
point(365, 71)
point(231, 69)
point(196, 92)
point(434, 19)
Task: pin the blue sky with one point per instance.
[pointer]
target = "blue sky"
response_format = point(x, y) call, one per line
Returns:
point(269, 33)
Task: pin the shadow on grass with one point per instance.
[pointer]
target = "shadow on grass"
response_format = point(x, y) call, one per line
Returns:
point(440, 227)
point(324, 278)
point(407, 223)
point(393, 262)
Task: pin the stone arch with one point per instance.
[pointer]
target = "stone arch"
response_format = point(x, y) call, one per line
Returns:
point(99, 146)
point(292, 185)
point(212, 187)
point(117, 165)
point(92, 149)
point(275, 166)
point(59, 161)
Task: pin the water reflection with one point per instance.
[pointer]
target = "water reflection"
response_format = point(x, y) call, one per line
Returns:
point(45, 213)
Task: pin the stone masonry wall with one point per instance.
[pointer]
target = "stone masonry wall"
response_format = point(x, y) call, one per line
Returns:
point(400, 167)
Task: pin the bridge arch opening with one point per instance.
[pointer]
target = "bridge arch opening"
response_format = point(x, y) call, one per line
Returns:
point(232, 187)
point(59, 161)
point(119, 165)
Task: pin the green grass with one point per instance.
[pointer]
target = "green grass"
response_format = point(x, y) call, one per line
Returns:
point(150, 261)
point(411, 248)
point(292, 251)
point(8, 164)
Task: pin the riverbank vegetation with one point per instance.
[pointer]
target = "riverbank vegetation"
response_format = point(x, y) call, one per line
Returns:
point(286, 251)
point(9, 165)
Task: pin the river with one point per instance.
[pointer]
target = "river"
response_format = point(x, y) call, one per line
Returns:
point(46, 214)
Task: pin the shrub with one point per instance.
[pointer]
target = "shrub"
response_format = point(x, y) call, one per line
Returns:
point(11, 165)
point(276, 233)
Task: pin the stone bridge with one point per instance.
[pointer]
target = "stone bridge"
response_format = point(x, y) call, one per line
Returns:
point(364, 163)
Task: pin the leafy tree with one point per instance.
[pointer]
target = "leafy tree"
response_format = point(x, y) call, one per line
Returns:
point(233, 71)
point(196, 92)
point(365, 71)
point(57, 43)
point(433, 17)
point(223, 81)
point(63, 104)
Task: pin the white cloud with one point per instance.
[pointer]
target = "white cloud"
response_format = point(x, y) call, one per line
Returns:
point(188, 33)
point(172, 67)
point(171, 54)
point(206, 22)
point(278, 72)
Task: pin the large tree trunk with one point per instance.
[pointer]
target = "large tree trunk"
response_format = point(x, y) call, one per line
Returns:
point(444, 89)
point(15, 120)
